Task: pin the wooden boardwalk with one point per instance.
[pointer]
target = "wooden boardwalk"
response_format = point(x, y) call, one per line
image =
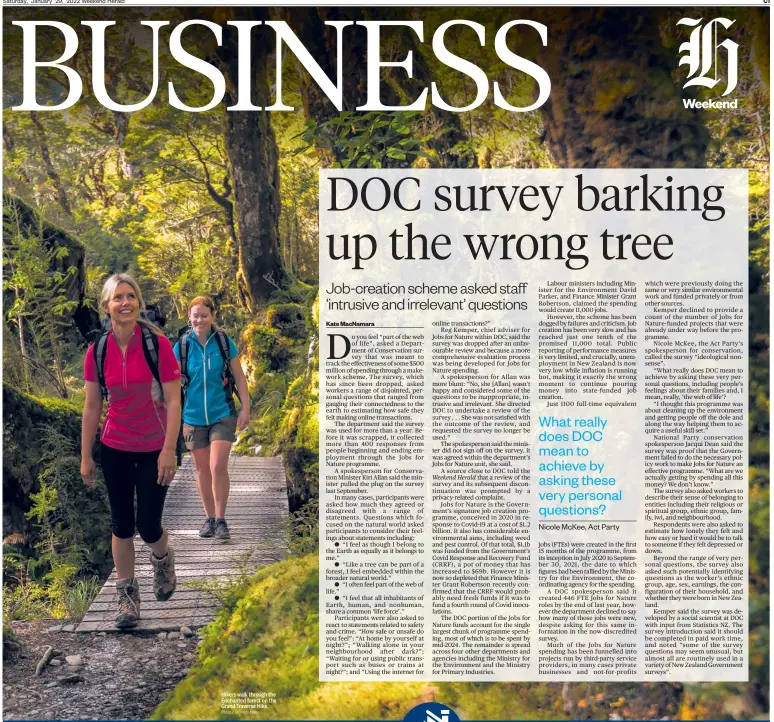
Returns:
point(257, 508)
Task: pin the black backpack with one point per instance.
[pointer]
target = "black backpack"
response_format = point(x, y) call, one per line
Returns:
point(228, 382)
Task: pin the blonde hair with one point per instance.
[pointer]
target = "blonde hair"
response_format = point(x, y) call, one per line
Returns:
point(110, 288)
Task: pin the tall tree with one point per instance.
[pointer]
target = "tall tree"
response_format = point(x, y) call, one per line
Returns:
point(308, 25)
point(253, 160)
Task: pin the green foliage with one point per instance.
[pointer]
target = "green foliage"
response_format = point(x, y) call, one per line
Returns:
point(299, 437)
point(59, 528)
point(79, 596)
point(239, 640)
point(269, 642)
point(271, 395)
point(299, 230)
point(367, 140)
point(23, 597)
point(83, 534)
point(22, 416)
point(143, 191)
point(282, 361)
point(304, 528)
point(268, 349)
point(39, 272)
point(296, 292)
point(60, 556)
point(182, 229)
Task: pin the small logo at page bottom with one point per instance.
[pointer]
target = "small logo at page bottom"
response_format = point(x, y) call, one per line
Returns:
point(431, 712)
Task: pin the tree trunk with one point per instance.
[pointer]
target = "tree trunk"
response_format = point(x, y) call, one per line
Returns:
point(56, 346)
point(61, 194)
point(125, 167)
point(566, 698)
point(614, 102)
point(253, 160)
point(306, 23)
point(353, 54)
point(22, 348)
point(7, 140)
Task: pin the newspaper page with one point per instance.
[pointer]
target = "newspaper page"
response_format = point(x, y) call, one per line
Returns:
point(495, 420)
point(533, 425)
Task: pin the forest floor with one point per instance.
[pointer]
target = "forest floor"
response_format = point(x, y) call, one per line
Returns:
point(120, 675)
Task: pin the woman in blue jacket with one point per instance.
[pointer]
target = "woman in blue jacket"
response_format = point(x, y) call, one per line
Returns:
point(210, 421)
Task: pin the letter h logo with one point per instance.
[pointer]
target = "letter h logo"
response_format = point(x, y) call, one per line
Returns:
point(701, 53)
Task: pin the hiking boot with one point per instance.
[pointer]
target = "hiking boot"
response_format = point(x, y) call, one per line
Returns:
point(221, 529)
point(128, 592)
point(164, 577)
point(208, 528)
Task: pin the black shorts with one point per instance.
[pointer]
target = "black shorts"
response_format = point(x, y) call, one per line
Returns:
point(127, 472)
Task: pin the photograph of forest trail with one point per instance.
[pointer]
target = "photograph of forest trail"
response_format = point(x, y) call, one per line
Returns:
point(224, 204)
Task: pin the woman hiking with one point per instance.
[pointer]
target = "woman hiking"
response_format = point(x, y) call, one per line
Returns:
point(211, 370)
point(133, 366)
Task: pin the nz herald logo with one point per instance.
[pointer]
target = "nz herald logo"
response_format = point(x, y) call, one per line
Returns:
point(706, 58)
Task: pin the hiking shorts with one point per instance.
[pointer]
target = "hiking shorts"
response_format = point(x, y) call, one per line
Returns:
point(200, 437)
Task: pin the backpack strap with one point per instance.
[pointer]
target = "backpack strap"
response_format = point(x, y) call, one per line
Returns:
point(229, 385)
point(150, 348)
point(100, 351)
point(183, 342)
